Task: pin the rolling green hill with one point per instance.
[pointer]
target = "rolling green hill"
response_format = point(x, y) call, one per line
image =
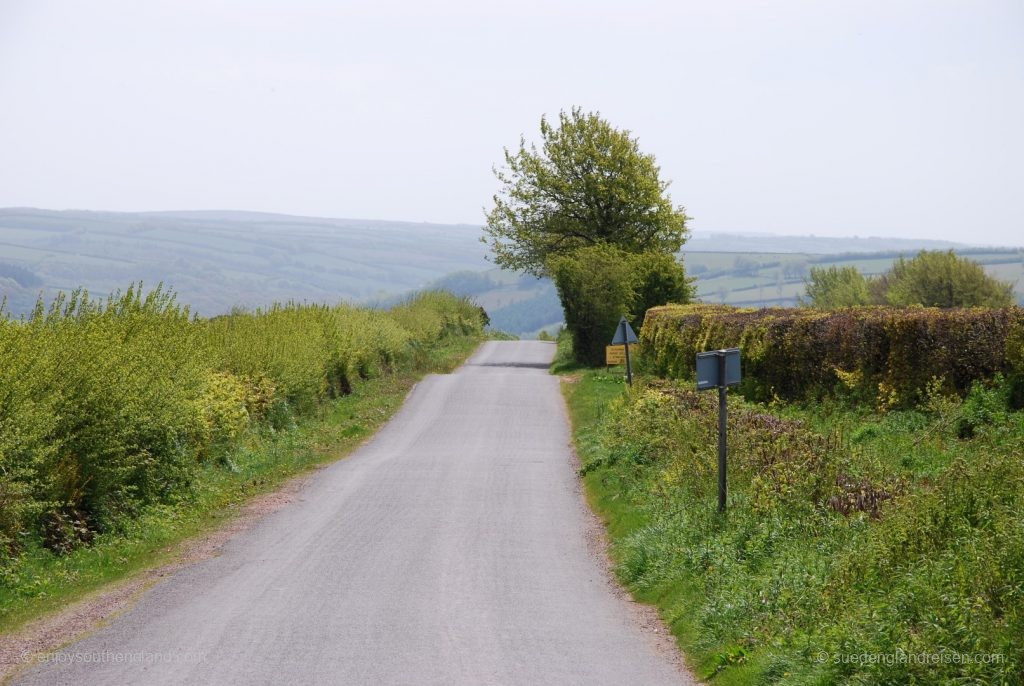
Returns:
point(517, 303)
point(217, 260)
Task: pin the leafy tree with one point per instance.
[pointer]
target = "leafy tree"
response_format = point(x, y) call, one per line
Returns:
point(600, 283)
point(832, 287)
point(587, 185)
point(944, 279)
point(878, 286)
point(932, 279)
point(596, 286)
point(660, 279)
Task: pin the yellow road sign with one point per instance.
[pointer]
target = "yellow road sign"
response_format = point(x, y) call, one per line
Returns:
point(614, 355)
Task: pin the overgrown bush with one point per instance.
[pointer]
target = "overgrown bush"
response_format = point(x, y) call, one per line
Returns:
point(104, 415)
point(944, 279)
point(430, 315)
point(601, 283)
point(596, 287)
point(840, 551)
point(888, 356)
point(660, 279)
point(832, 287)
point(933, 278)
point(107, 407)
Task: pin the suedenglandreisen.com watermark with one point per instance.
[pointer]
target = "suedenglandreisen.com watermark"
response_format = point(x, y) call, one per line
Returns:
point(109, 657)
point(901, 657)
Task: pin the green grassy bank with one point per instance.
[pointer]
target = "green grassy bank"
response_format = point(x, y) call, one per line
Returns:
point(858, 548)
point(128, 426)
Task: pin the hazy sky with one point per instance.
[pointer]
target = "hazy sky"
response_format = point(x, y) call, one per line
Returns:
point(834, 118)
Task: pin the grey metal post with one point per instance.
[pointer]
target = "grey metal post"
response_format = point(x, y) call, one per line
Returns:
point(721, 432)
point(629, 366)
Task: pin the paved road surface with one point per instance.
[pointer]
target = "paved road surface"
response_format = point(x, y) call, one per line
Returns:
point(448, 550)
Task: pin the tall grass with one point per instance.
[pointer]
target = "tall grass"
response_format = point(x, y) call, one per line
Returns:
point(108, 406)
point(858, 548)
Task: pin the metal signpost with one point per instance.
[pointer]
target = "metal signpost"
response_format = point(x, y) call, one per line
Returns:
point(624, 335)
point(719, 369)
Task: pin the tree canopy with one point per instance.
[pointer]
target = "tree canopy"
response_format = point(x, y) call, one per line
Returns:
point(600, 283)
point(944, 279)
point(588, 184)
point(832, 287)
point(932, 279)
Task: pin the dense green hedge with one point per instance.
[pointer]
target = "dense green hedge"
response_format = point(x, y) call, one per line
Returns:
point(879, 354)
point(108, 406)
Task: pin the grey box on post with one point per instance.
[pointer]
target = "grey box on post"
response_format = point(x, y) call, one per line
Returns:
point(708, 369)
point(719, 369)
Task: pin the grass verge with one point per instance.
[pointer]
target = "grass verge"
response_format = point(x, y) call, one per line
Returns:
point(41, 582)
point(859, 547)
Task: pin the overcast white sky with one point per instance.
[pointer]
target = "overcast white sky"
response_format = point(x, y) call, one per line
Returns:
point(894, 118)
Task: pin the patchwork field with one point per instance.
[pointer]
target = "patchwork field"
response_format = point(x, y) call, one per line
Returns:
point(777, 279)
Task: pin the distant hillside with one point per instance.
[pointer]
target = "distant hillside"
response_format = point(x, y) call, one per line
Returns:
point(703, 241)
point(764, 279)
point(220, 259)
point(517, 303)
point(217, 260)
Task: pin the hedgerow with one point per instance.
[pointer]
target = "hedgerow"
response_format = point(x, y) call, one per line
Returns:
point(108, 406)
point(884, 355)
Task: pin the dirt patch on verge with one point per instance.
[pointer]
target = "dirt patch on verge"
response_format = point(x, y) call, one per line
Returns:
point(36, 640)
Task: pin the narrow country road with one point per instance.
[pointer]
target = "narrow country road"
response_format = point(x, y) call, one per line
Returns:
point(450, 549)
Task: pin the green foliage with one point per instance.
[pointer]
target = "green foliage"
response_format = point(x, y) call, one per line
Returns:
point(430, 315)
point(39, 580)
point(597, 287)
point(108, 407)
point(660, 280)
point(833, 287)
point(225, 402)
point(601, 283)
point(884, 356)
point(931, 279)
point(984, 406)
point(850, 538)
point(944, 279)
point(104, 412)
point(587, 185)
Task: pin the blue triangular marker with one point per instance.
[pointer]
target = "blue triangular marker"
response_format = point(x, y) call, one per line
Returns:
point(624, 333)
